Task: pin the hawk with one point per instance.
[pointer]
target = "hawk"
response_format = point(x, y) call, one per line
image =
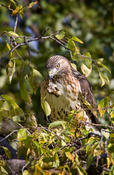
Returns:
point(67, 90)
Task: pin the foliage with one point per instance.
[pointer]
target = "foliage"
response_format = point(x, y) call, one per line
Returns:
point(33, 31)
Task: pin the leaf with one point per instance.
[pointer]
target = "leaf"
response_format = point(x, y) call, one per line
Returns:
point(26, 89)
point(72, 46)
point(87, 54)
point(69, 156)
point(56, 124)
point(86, 71)
point(105, 67)
point(112, 117)
point(102, 79)
point(4, 172)
point(32, 4)
point(89, 159)
point(106, 133)
point(22, 134)
point(7, 152)
point(60, 35)
point(102, 106)
point(13, 2)
point(26, 172)
point(35, 79)
point(77, 39)
point(46, 108)
point(13, 34)
point(8, 46)
point(18, 10)
point(15, 107)
point(11, 69)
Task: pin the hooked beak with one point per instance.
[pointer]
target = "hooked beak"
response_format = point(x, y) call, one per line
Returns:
point(52, 73)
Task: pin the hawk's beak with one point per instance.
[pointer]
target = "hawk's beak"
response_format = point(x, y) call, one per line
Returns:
point(52, 73)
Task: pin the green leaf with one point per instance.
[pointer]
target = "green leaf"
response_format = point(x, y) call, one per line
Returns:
point(32, 4)
point(18, 10)
point(105, 67)
point(16, 109)
point(56, 124)
point(60, 35)
point(13, 2)
point(86, 71)
point(77, 39)
point(7, 152)
point(26, 172)
point(4, 172)
point(13, 34)
point(72, 46)
point(35, 79)
point(112, 117)
point(22, 134)
point(11, 69)
point(102, 79)
point(87, 54)
point(46, 108)
point(106, 133)
point(89, 159)
point(26, 89)
point(102, 106)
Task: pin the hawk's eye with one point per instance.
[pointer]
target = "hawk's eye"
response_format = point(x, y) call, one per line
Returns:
point(58, 65)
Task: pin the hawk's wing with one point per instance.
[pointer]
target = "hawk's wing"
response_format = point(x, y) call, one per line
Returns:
point(87, 94)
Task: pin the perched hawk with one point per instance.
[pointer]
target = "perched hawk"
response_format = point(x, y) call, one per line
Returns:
point(66, 89)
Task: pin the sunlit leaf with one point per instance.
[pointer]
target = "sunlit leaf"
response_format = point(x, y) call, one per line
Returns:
point(69, 156)
point(86, 71)
point(13, 2)
point(13, 34)
point(56, 124)
point(105, 67)
point(4, 172)
point(72, 46)
point(26, 172)
point(15, 107)
point(77, 39)
point(22, 134)
point(102, 106)
point(32, 4)
point(112, 116)
point(106, 133)
point(102, 79)
point(60, 35)
point(7, 152)
point(18, 10)
point(46, 108)
point(11, 69)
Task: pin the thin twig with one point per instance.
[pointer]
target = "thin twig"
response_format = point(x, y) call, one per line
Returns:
point(25, 166)
point(8, 135)
point(16, 21)
point(48, 130)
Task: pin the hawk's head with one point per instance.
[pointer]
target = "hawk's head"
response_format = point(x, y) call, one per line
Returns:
point(58, 66)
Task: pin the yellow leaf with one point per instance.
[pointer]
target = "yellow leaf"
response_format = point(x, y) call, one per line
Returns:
point(77, 39)
point(32, 4)
point(108, 162)
point(69, 156)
